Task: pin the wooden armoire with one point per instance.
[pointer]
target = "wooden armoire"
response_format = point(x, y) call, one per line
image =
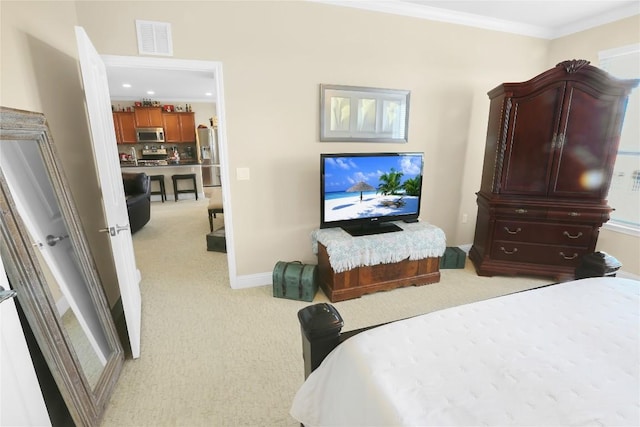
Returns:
point(550, 151)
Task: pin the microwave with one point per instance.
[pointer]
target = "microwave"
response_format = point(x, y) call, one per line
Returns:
point(150, 134)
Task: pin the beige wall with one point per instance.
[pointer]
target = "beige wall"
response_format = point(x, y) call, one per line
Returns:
point(274, 55)
point(40, 73)
point(586, 45)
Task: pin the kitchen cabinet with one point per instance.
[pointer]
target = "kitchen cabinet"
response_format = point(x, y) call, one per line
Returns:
point(148, 117)
point(179, 127)
point(551, 147)
point(125, 126)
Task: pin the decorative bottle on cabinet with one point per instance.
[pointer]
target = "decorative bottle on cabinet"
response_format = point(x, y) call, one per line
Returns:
point(550, 151)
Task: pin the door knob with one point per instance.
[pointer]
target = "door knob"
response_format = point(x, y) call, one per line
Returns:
point(52, 240)
point(110, 230)
point(114, 230)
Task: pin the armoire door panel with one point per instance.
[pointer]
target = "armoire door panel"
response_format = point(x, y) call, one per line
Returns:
point(529, 149)
point(582, 163)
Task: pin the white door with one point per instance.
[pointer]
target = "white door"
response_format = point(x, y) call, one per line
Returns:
point(105, 151)
point(21, 400)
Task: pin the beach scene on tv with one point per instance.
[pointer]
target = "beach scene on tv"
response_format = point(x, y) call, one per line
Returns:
point(364, 187)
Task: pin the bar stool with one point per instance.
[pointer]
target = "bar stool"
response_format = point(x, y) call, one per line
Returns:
point(190, 176)
point(162, 192)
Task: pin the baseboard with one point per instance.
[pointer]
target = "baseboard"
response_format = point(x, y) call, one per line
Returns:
point(181, 196)
point(263, 279)
point(253, 280)
point(465, 248)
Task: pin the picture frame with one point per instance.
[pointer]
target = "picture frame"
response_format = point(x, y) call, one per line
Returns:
point(363, 114)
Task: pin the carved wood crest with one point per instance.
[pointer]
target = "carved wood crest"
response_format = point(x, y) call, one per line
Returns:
point(573, 65)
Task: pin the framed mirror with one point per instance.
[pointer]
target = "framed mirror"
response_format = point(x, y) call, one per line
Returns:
point(49, 265)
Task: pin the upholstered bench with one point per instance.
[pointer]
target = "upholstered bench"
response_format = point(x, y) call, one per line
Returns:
point(215, 207)
point(349, 267)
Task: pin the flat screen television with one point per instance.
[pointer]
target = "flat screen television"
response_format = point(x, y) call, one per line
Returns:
point(363, 192)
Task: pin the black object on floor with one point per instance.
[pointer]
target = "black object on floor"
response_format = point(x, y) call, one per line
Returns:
point(216, 241)
point(597, 264)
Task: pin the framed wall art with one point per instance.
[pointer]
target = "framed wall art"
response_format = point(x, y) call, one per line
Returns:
point(363, 114)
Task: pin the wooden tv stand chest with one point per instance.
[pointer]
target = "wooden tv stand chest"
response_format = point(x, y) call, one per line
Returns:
point(365, 279)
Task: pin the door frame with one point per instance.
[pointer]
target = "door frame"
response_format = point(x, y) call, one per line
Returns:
point(215, 68)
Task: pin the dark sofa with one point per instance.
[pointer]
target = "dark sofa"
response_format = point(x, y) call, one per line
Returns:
point(137, 189)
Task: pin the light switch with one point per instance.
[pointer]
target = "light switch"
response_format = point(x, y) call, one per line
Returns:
point(242, 174)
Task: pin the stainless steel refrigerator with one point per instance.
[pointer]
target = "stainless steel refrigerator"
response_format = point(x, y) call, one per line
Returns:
point(210, 157)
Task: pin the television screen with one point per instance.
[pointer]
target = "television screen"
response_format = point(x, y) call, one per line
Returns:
point(362, 192)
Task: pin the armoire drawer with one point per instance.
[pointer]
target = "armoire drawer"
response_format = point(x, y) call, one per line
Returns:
point(537, 253)
point(541, 232)
point(520, 212)
point(577, 215)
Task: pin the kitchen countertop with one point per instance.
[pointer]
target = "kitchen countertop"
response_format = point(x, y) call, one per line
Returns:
point(184, 167)
point(132, 165)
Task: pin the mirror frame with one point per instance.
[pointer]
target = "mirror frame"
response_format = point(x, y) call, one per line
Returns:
point(86, 405)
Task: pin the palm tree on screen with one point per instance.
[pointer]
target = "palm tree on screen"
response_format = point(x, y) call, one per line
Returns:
point(412, 186)
point(390, 182)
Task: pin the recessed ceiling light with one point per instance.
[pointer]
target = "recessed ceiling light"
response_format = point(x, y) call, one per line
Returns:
point(150, 92)
point(208, 94)
point(126, 85)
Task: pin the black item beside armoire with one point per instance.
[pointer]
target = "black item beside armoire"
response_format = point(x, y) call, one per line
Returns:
point(550, 151)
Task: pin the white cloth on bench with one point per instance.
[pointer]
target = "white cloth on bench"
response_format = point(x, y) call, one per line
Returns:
point(418, 240)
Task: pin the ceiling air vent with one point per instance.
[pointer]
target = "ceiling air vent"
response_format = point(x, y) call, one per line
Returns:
point(154, 38)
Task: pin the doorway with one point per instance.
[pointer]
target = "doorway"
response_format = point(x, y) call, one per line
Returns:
point(211, 73)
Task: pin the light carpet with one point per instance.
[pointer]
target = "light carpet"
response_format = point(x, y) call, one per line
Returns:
point(214, 356)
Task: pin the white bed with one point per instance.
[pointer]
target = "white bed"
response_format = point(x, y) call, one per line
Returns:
point(563, 355)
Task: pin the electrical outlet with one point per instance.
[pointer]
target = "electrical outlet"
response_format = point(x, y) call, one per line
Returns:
point(465, 218)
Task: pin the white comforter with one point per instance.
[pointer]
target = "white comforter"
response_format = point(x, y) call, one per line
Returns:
point(564, 355)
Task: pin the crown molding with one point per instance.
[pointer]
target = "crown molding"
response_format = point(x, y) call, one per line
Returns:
point(602, 19)
point(413, 10)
